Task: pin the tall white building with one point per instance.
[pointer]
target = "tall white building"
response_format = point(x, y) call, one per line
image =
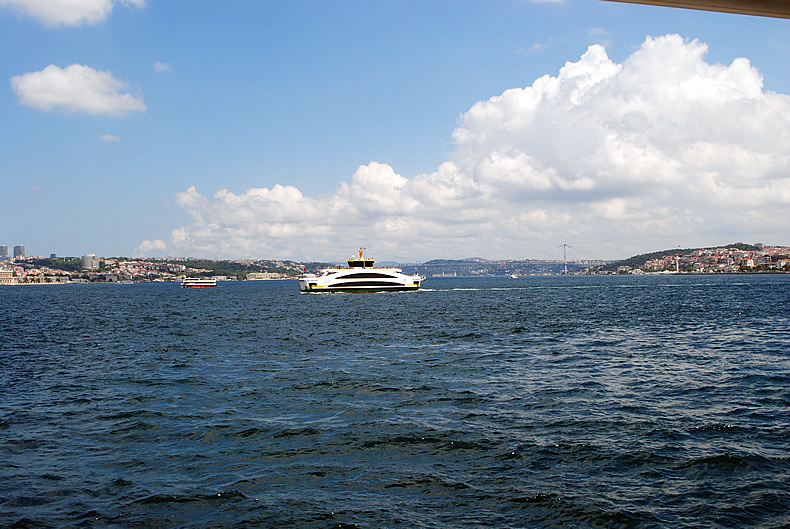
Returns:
point(90, 261)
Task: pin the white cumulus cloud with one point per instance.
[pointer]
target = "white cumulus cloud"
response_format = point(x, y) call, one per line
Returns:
point(68, 12)
point(76, 88)
point(661, 150)
point(155, 247)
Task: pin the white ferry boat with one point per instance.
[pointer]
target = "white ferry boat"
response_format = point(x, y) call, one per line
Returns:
point(192, 282)
point(360, 276)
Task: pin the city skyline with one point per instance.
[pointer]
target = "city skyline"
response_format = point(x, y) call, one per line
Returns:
point(733, 259)
point(560, 253)
point(301, 131)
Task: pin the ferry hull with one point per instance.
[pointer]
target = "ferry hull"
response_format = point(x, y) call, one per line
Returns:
point(358, 289)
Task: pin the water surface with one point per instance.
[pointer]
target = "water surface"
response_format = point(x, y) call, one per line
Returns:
point(474, 402)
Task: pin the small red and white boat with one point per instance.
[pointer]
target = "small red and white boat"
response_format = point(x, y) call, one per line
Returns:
point(197, 282)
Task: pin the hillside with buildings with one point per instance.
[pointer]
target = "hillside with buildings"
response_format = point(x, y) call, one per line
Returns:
point(731, 259)
point(90, 268)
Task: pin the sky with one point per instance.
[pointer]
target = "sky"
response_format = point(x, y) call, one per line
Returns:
point(304, 130)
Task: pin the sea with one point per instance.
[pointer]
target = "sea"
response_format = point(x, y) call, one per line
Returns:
point(537, 402)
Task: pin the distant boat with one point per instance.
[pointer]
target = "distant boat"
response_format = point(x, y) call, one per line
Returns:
point(360, 276)
point(197, 282)
point(513, 276)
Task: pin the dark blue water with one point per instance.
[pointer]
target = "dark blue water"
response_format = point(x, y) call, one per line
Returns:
point(537, 402)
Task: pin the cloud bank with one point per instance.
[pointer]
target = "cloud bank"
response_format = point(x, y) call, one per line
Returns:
point(662, 150)
point(55, 13)
point(76, 88)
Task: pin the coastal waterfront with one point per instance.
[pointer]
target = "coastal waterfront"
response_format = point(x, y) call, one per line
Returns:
point(40, 270)
point(730, 259)
point(628, 401)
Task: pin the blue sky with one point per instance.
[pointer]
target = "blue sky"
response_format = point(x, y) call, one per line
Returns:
point(445, 129)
